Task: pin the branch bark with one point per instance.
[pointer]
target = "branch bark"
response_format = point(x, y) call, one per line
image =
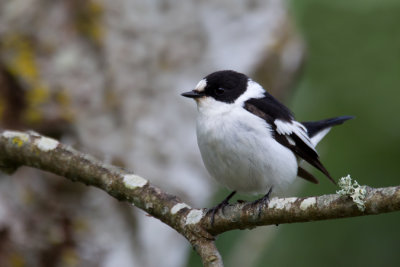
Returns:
point(31, 149)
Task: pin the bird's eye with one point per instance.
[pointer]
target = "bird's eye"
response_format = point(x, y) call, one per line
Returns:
point(219, 91)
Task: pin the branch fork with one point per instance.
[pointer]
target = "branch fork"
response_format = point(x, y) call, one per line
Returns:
point(34, 150)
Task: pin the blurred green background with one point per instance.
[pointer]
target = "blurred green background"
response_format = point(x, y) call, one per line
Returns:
point(352, 68)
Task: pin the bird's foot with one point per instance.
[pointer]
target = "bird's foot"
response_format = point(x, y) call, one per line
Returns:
point(220, 206)
point(262, 202)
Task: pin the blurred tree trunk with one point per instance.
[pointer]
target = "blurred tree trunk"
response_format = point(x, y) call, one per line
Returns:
point(105, 76)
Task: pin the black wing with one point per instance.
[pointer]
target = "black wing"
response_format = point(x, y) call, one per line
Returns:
point(269, 108)
point(287, 131)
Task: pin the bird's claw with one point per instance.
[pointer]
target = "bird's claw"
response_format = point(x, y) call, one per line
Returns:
point(261, 202)
point(220, 206)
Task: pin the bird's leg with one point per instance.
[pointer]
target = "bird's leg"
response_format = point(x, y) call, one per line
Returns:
point(261, 202)
point(221, 206)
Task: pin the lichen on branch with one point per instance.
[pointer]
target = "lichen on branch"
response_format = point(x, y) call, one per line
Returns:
point(32, 149)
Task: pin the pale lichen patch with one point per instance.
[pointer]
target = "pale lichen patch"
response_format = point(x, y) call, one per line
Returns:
point(351, 188)
point(11, 134)
point(178, 207)
point(46, 144)
point(17, 138)
point(281, 203)
point(308, 202)
point(132, 181)
point(33, 133)
point(388, 191)
point(194, 216)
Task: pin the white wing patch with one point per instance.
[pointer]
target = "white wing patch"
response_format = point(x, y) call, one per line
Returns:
point(293, 127)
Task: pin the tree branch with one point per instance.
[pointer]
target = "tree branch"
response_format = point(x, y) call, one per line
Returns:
point(292, 210)
point(31, 149)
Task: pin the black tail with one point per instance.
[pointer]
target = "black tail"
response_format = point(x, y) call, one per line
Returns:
point(314, 127)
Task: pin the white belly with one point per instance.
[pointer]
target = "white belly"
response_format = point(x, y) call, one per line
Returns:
point(239, 152)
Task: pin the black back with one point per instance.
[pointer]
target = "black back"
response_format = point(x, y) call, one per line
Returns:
point(270, 106)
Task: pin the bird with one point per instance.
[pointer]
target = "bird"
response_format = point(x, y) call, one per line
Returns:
point(249, 141)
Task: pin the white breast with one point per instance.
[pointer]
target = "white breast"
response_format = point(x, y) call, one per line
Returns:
point(238, 150)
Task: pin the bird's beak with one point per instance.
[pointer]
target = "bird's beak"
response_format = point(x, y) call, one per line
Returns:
point(193, 94)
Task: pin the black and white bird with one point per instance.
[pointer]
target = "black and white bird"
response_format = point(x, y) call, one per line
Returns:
point(249, 141)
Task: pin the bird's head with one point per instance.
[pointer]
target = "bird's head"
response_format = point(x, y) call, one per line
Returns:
point(224, 86)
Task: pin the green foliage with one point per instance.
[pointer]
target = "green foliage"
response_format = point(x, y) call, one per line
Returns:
point(353, 68)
